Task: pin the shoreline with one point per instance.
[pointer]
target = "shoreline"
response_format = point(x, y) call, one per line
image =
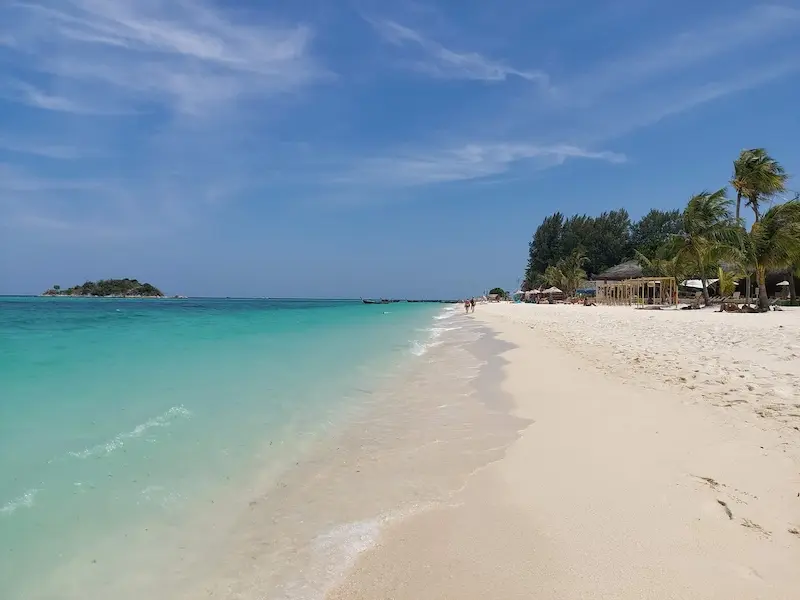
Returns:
point(617, 489)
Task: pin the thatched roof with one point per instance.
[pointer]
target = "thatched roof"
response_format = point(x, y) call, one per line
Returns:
point(628, 270)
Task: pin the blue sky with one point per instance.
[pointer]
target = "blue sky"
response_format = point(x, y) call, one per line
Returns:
point(317, 148)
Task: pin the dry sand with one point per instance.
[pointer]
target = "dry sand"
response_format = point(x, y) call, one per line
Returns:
point(662, 461)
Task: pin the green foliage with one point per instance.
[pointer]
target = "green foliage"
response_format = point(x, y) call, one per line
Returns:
point(664, 265)
point(498, 291)
point(756, 177)
point(773, 243)
point(710, 235)
point(108, 287)
point(727, 281)
point(544, 249)
point(650, 232)
point(568, 273)
point(603, 240)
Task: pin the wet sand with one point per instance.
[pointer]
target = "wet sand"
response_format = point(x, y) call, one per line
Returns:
point(656, 463)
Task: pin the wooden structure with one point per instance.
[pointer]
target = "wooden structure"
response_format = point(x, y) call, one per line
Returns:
point(639, 292)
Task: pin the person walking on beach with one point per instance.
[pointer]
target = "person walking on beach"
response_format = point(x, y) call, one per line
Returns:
point(472, 304)
point(466, 306)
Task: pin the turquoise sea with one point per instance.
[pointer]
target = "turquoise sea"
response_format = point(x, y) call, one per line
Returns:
point(121, 415)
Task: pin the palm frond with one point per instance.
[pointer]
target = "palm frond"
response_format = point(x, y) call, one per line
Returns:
point(775, 239)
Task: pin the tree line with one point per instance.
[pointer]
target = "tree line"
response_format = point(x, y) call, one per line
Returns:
point(593, 244)
point(107, 287)
point(708, 238)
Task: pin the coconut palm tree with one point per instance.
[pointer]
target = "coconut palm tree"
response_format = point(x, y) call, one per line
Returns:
point(568, 273)
point(572, 271)
point(794, 271)
point(773, 243)
point(663, 266)
point(709, 236)
point(740, 179)
point(756, 177)
point(553, 276)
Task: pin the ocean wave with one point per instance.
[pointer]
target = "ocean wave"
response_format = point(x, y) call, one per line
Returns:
point(447, 313)
point(336, 550)
point(118, 441)
point(418, 347)
point(24, 501)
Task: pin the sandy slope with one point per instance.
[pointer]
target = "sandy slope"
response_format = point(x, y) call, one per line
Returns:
point(662, 462)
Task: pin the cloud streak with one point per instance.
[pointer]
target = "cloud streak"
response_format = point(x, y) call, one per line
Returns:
point(444, 63)
point(681, 52)
point(184, 55)
point(466, 162)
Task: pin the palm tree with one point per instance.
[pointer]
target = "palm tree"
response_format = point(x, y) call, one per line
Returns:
point(756, 176)
point(553, 276)
point(709, 235)
point(568, 273)
point(727, 281)
point(571, 268)
point(774, 243)
point(794, 271)
point(661, 266)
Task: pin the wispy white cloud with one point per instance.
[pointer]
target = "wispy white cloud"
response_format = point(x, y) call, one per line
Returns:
point(16, 180)
point(38, 147)
point(441, 62)
point(465, 162)
point(652, 107)
point(32, 96)
point(189, 56)
point(685, 50)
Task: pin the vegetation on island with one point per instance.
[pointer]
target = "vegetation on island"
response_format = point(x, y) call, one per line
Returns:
point(707, 239)
point(125, 288)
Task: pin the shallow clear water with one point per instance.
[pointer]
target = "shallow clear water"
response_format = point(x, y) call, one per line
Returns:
point(122, 412)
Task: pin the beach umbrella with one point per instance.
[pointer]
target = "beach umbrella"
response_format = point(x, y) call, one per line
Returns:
point(697, 284)
point(783, 283)
point(552, 290)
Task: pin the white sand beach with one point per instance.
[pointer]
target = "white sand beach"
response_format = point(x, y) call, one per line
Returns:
point(662, 460)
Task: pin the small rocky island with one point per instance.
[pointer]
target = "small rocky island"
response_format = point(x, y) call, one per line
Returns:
point(108, 288)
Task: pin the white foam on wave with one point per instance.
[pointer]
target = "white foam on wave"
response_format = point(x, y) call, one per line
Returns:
point(336, 550)
point(447, 313)
point(118, 441)
point(23, 501)
point(419, 348)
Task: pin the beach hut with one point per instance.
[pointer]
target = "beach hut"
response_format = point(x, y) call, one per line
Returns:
point(658, 291)
point(627, 270)
point(553, 293)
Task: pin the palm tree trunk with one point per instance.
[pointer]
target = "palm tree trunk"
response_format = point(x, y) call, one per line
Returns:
point(755, 207)
point(706, 297)
point(738, 205)
point(747, 290)
point(792, 291)
point(763, 299)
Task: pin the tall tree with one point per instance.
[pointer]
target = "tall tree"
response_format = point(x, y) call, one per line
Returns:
point(663, 265)
point(544, 249)
point(774, 244)
point(609, 241)
point(757, 177)
point(741, 178)
point(650, 232)
point(709, 234)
